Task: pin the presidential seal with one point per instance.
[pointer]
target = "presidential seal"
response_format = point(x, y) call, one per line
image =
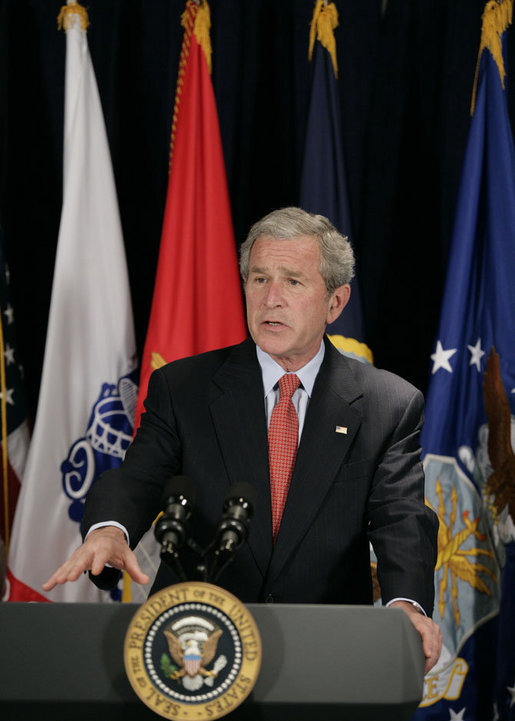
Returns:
point(192, 650)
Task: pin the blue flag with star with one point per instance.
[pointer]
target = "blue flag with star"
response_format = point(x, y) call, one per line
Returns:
point(469, 432)
point(323, 183)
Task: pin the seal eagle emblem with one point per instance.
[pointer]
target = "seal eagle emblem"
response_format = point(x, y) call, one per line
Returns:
point(192, 642)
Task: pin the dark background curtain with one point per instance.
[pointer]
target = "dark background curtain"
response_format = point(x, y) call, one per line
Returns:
point(406, 70)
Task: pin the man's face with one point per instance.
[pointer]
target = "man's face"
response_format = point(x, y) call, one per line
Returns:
point(288, 305)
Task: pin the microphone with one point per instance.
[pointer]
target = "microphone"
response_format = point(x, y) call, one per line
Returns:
point(171, 527)
point(233, 527)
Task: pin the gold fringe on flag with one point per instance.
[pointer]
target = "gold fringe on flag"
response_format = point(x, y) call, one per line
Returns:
point(126, 588)
point(497, 17)
point(196, 20)
point(66, 17)
point(325, 20)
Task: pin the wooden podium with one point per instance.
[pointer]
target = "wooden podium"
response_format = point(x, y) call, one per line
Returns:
point(64, 662)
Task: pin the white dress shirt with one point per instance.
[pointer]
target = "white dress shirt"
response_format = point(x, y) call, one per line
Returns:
point(272, 372)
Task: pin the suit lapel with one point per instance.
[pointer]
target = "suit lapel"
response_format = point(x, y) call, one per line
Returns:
point(329, 428)
point(238, 414)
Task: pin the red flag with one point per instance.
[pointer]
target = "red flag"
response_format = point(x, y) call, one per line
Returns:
point(197, 304)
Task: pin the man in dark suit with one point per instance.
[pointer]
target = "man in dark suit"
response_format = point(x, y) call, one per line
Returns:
point(357, 477)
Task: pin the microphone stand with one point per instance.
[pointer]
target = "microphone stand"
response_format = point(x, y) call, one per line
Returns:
point(232, 530)
point(165, 532)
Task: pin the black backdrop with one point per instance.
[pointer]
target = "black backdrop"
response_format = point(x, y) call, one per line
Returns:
point(406, 73)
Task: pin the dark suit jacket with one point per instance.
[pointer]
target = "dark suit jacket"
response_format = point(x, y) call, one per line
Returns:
point(205, 418)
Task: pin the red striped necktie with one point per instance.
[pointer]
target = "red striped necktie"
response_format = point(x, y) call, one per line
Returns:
point(283, 434)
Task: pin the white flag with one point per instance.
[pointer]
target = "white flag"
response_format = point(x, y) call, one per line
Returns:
point(88, 385)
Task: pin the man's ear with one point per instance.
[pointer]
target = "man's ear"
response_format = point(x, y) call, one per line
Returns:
point(338, 301)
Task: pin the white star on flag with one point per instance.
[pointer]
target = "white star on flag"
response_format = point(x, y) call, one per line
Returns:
point(457, 716)
point(9, 354)
point(8, 396)
point(9, 314)
point(476, 353)
point(441, 358)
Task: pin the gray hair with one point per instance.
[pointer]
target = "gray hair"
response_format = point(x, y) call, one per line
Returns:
point(336, 254)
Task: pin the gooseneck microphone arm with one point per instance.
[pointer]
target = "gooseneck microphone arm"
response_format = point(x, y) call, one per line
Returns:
point(171, 527)
point(232, 529)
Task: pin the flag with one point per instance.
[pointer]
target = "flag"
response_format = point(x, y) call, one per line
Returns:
point(323, 182)
point(86, 404)
point(197, 304)
point(467, 451)
point(14, 441)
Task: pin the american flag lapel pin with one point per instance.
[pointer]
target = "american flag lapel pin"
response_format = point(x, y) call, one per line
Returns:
point(341, 429)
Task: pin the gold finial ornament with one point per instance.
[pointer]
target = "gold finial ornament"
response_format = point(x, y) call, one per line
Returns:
point(201, 30)
point(325, 20)
point(67, 15)
point(497, 17)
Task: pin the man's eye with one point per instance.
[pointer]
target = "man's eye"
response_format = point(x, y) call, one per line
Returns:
point(293, 281)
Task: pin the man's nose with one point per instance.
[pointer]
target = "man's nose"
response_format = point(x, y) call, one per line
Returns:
point(274, 296)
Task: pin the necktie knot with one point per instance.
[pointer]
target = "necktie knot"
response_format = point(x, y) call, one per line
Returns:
point(288, 384)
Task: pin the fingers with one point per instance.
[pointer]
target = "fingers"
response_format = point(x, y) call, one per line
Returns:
point(429, 631)
point(431, 639)
point(103, 546)
point(71, 569)
point(432, 644)
point(133, 569)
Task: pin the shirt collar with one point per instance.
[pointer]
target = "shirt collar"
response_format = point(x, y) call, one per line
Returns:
point(272, 371)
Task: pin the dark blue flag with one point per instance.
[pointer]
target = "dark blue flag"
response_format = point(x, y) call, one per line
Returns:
point(324, 186)
point(470, 424)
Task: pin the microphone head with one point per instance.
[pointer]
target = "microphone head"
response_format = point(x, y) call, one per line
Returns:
point(176, 487)
point(242, 491)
